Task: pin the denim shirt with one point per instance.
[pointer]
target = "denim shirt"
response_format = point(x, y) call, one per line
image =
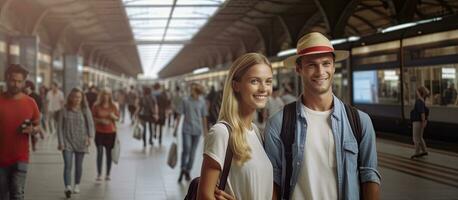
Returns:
point(194, 110)
point(346, 150)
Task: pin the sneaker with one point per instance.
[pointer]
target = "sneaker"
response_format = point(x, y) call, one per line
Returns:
point(187, 176)
point(108, 178)
point(181, 176)
point(99, 178)
point(68, 192)
point(76, 189)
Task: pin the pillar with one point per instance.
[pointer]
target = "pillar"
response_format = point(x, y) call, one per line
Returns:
point(28, 54)
point(72, 72)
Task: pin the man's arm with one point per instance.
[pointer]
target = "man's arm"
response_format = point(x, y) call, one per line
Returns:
point(273, 146)
point(369, 175)
point(371, 191)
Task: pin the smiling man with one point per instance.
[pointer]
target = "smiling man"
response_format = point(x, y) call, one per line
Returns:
point(327, 160)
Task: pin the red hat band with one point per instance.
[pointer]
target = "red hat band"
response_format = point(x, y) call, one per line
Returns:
point(315, 49)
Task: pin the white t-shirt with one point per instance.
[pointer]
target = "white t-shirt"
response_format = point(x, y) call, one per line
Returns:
point(318, 174)
point(274, 105)
point(251, 181)
point(55, 100)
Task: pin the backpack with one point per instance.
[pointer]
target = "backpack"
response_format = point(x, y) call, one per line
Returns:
point(193, 186)
point(289, 116)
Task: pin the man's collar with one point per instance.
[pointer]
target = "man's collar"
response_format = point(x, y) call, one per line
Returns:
point(336, 107)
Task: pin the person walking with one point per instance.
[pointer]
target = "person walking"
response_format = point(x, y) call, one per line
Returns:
point(419, 117)
point(324, 159)
point(147, 113)
point(247, 88)
point(131, 100)
point(91, 96)
point(121, 99)
point(19, 119)
point(105, 114)
point(75, 130)
point(194, 110)
point(55, 101)
point(163, 105)
point(30, 90)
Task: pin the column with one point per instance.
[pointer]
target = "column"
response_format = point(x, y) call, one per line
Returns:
point(72, 72)
point(28, 54)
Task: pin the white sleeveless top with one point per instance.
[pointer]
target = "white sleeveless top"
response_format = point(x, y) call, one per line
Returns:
point(251, 181)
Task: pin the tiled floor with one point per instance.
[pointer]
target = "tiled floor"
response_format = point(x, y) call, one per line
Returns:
point(143, 173)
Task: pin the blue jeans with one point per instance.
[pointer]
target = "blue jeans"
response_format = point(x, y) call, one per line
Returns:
point(12, 181)
point(188, 154)
point(68, 159)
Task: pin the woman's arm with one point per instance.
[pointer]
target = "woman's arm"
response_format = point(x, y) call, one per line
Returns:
point(209, 178)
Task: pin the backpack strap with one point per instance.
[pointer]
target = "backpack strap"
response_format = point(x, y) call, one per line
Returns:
point(287, 134)
point(355, 122)
point(227, 160)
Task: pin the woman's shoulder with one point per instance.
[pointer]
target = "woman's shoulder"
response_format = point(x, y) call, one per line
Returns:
point(219, 130)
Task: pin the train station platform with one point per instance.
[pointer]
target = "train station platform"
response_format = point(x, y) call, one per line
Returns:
point(142, 173)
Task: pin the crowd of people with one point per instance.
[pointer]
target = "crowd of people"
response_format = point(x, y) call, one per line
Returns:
point(245, 126)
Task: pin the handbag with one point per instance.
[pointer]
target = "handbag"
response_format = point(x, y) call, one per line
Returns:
point(116, 151)
point(193, 186)
point(138, 131)
point(172, 157)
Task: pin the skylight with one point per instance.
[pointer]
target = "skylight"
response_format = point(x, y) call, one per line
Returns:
point(162, 28)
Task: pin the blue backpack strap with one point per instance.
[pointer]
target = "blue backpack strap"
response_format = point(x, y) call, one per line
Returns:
point(287, 135)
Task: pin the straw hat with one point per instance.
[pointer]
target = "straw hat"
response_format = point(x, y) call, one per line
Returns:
point(315, 43)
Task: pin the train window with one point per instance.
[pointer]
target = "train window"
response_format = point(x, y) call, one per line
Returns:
point(440, 80)
point(376, 86)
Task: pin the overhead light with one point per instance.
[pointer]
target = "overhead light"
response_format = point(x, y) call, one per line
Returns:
point(338, 41)
point(398, 27)
point(353, 38)
point(200, 70)
point(410, 24)
point(286, 52)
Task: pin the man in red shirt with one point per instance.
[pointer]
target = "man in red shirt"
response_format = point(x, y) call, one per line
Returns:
point(19, 118)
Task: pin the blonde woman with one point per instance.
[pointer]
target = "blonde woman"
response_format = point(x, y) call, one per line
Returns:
point(75, 129)
point(105, 115)
point(247, 88)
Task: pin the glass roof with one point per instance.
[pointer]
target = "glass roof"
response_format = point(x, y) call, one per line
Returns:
point(162, 28)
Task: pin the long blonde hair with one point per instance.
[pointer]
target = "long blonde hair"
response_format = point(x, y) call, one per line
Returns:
point(100, 101)
point(230, 109)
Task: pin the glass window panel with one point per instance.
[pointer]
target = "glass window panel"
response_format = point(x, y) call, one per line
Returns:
point(151, 37)
point(152, 32)
point(190, 31)
point(147, 2)
point(178, 37)
point(441, 81)
point(145, 12)
point(376, 86)
point(199, 2)
point(147, 23)
point(195, 23)
point(194, 11)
